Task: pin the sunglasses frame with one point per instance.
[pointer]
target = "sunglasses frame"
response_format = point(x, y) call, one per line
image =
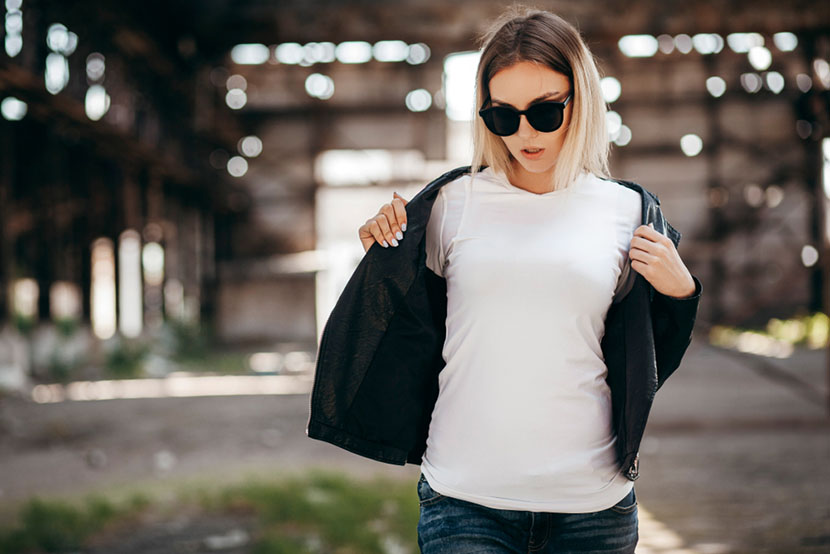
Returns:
point(484, 111)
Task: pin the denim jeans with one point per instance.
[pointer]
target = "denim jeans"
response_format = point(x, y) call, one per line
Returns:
point(449, 524)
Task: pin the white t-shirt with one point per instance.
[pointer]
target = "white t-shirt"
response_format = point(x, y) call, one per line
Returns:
point(523, 416)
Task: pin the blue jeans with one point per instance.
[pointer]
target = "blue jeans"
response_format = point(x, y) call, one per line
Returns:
point(449, 524)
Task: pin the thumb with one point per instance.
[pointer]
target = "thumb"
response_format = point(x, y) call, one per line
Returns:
point(404, 200)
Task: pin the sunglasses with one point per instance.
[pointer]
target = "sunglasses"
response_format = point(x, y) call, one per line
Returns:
point(543, 116)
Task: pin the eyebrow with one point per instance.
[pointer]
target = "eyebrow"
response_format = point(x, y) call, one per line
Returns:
point(542, 97)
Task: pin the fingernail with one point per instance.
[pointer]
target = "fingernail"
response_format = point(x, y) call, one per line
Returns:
point(385, 244)
point(399, 235)
point(403, 226)
point(394, 242)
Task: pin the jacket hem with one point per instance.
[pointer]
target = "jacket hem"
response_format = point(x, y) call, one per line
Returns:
point(355, 444)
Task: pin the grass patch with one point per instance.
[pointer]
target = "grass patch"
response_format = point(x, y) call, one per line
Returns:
point(59, 526)
point(324, 511)
point(314, 511)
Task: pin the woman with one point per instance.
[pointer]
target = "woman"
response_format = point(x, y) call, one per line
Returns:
point(538, 402)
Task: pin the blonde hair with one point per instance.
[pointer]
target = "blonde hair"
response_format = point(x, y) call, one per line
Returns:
point(527, 34)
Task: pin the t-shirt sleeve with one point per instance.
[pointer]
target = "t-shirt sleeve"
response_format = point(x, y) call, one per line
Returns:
point(629, 217)
point(434, 244)
point(444, 223)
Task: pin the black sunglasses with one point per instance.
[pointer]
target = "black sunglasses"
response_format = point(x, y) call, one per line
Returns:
point(543, 116)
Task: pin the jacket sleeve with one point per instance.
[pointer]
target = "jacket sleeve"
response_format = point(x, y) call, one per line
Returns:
point(673, 320)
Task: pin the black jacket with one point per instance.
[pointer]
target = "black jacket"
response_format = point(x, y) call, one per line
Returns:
point(376, 378)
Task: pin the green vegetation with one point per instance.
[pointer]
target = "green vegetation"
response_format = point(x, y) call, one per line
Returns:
point(317, 511)
point(810, 331)
point(53, 526)
point(326, 512)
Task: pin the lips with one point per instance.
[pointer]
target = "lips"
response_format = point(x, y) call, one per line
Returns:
point(532, 150)
point(532, 155)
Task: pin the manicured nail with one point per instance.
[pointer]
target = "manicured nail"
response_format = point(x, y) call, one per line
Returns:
point(403, 226)
point(399, 235)
point(394, 242)
point(385, 244)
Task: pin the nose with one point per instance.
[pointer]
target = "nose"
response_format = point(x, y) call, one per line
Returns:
point(525, 128)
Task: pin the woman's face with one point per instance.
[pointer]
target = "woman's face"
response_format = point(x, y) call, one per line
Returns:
point(521, 85)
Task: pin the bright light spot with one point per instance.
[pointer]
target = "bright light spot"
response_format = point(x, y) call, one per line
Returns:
point(13, 4)
point(613, 122)
point(57, 73)
point(743, 42)
point(822, 69)
point(638, 46)
point(809, 255)
point(708, 43)
point(14, 22)
point(130, 310)
point(390, 51)
point(14, 44)
point(25, 294)
point(97, 102)
point(13, 109)
point(103, 288)
point(624, 136)
point(236, 81)
point(683, 43)
point(367, 167)
point(236, 98)
point(665, 43)
point(716, 86)
point(753, 195)
point(418, 53)
point(265, 362)
point(289, 53)
point(418, 100)
point(691, 145)
point(803, 82)
point(237, 166)
point(60, 40)
point(319, 86)
point(250, 146)
point(775, 195)
point(785, 41)
point(459, 80)
point(760, 57)
point(751, 82)
point(353, 51)
point(95, 66)
point(611, 88)
point(250, 54)
point(152, 261)
point(775, 81)
point(318, 52)
point(65, 300)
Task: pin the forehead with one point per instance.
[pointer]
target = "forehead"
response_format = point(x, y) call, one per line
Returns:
point(524, 81)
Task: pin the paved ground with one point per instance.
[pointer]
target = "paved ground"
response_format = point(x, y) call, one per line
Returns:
point(735, 458)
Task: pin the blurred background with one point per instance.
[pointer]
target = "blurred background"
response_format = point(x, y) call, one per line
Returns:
point(181, 185)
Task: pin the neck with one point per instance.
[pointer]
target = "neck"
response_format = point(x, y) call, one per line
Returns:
point(538, 183)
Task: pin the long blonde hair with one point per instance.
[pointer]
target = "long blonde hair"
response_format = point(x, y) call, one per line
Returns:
point(528, 34)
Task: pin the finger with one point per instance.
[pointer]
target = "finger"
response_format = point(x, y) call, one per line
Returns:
point(400, 213)
point(377, 232)
point(386, 229)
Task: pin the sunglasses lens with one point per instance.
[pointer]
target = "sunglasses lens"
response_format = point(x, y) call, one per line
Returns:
point(545, 117)
point(502, 121)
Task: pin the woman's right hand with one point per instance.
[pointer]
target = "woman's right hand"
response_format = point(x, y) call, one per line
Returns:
point(387, 226)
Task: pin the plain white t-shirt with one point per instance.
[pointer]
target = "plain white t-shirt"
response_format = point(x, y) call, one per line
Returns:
point(523, 416)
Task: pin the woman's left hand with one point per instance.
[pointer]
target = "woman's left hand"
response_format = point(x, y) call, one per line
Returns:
point(654, 256)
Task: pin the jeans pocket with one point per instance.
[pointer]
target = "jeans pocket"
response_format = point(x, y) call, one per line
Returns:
point(426, 494)
point(627, 505)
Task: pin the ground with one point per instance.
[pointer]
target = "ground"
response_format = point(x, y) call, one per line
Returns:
point(735, 457)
